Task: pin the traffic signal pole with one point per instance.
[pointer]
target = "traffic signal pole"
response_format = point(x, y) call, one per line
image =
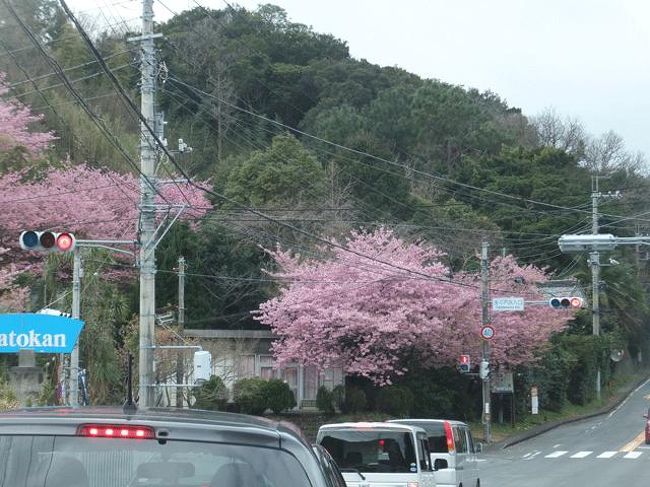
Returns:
point(485, 319)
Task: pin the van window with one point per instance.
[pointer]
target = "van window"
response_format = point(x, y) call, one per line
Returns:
point(423, 453)
point(470, 441)
point(460, 439)
point(371, 450)
point(435, 434)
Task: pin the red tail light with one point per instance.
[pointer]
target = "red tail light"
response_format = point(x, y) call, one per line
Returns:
point(451, 446)
point(116, 431)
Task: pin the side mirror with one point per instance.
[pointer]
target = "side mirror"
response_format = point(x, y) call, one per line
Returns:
point(478, 447)
point(440, 464)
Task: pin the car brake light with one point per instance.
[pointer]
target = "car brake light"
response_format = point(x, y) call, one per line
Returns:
point(451, 446)
point(116, 431)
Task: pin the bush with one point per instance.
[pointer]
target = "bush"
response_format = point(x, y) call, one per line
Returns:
point(251, 395)
point(211, 395)
point(279, 396)
point(395, 400)
point(355, 400)
point(325, 400)
point(338, 397)
point(8, 398)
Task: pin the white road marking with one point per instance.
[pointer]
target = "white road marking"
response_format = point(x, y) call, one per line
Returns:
point(527, 454)
point(607, 454)
point(643, 447)
point(634, 455)
point(557, 454)
point(533, 455)
point(581, 454)
point(557, 446)
point(479, 460)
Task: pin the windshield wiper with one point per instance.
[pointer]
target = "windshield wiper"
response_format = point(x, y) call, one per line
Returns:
point(355, 470)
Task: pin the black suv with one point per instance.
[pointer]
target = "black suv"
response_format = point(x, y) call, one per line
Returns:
point(111, 448)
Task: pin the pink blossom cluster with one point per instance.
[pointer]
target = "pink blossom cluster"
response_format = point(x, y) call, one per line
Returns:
point(372, 317)
point(15, 121)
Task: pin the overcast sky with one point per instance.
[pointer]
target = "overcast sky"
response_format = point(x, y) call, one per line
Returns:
point(587, 59)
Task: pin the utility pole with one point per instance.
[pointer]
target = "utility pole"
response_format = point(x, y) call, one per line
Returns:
point(181, 325)
point(147, 210)
point(485, 320)
point(73, 377)
point(594, 260)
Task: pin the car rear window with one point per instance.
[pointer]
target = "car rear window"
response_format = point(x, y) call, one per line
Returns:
point(435, 434)
point(371, 450)
point(61, 461)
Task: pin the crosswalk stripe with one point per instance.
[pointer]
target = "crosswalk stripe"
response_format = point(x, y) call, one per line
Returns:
point(633, 454)
point(582, 454)
point(556, 454)
point(607, 454)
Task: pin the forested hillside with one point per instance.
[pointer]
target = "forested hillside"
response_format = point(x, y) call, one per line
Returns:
point(282, 119)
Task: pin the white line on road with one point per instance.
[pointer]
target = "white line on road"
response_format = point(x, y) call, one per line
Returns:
point(626, 399)
point(533, 455)
point(527, 454)
point(581, 454)
point(634, 455)
point(607, 454)
point(557, 446)
point(556, 454)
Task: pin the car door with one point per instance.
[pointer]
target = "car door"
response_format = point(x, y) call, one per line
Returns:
point(471, 471)
point(427, 476)
point(460, 438)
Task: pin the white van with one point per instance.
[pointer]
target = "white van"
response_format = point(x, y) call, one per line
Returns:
point(450, 441)
point(379, 454)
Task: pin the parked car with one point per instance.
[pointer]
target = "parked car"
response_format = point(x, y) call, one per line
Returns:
point(109, 448)
point(379, 454)
point(451, 441)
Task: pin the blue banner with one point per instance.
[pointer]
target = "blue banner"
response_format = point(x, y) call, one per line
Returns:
point(38, 332)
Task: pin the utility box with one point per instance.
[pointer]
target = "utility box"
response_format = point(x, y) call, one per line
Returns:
point(202, 366)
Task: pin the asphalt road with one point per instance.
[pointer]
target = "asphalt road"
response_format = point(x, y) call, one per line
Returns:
point(609, 450)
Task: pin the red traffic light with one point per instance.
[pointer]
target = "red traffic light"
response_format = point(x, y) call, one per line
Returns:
point(464, 359)
point(65, 242)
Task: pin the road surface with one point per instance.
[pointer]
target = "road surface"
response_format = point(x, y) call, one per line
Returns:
point(608, 450)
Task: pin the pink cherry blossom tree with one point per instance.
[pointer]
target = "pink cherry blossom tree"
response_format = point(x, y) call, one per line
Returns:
point(15, 122)
point(352, 310)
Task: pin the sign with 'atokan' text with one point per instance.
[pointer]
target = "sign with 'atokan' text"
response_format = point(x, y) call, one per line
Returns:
point(38, 332)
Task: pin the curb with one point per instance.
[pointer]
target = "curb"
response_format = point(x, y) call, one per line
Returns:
point(543, 428)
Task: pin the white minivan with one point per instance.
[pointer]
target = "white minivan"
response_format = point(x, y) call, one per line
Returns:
point(379, 454)
point(451, 441)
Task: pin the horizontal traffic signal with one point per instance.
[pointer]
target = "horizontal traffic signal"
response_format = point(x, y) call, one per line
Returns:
point(47, 241)
point(566, 302)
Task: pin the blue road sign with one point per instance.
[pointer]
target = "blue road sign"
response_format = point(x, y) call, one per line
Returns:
point(38, 332)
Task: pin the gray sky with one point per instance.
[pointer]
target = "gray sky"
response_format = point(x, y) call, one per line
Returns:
point(587, 59)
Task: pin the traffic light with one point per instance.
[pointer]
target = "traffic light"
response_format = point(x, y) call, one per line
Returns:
point(47, 241)
point(484, 369)
point(570, 302)
point(464, 364)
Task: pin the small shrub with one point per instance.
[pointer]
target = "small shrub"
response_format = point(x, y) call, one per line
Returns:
point(279, 396)
point(212, 395)
point(250, 394)
point(355, 400)
point(325, 400)
point(8, 399)
point(395, 400)
point(338, 397)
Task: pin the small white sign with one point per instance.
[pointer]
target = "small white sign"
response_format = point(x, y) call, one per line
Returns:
point(508, 304)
